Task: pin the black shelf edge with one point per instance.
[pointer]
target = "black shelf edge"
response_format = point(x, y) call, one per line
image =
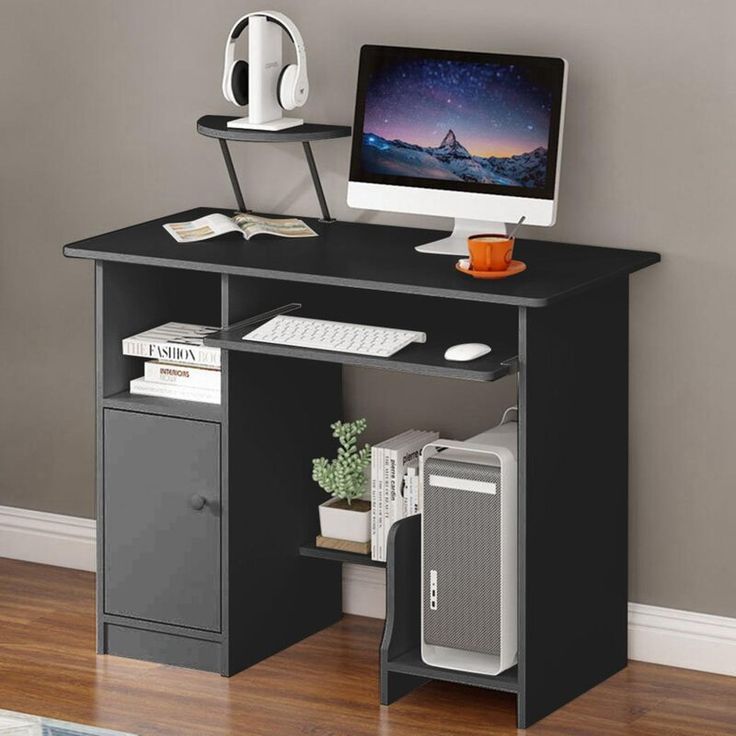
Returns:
point(215, 126)
point(73, 250)
point(419, 358)
point(160, 406)
point(411, 663)
point(336, 555)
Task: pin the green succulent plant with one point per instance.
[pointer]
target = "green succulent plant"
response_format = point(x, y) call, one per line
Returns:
point(344, 477)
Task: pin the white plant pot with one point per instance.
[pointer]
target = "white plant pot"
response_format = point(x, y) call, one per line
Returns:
point(353, 526)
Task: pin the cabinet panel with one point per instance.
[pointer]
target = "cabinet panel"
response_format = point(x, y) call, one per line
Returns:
point(162, 519)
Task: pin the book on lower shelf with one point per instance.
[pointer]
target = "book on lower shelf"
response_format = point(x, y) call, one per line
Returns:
point(394, 478)
point(175, 342)
point(143, 387)
point(175, 374)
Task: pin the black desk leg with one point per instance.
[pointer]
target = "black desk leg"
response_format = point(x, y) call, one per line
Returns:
point(573, 497)
point(326, 217)
point(233, 176)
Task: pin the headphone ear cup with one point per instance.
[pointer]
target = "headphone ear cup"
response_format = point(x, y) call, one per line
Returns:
point(286, 87)
point(239, 82)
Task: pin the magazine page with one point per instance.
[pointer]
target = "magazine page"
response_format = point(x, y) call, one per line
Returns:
point(201, 229)
point(283, 227)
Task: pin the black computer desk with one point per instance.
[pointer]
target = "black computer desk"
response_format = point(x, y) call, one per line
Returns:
point(221, 587)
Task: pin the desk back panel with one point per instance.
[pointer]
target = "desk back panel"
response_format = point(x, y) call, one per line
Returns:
point(278, 414)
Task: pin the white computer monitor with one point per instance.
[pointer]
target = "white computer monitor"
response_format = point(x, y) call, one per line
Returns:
point(473, 136)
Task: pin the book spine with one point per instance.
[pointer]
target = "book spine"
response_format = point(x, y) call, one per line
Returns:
point(394, 498)
point(411, 498)
point(374, 503)
point(144, 388)
point(379, 512)
point(406, 495)
point(415, 494)
point(385, 500)
point(172, 353)
point(405, 456)
point(182, 375)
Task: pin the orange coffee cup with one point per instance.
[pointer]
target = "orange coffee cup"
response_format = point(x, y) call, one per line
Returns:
point(490, 251)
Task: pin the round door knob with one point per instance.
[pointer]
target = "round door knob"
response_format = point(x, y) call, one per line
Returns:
point(197, 502)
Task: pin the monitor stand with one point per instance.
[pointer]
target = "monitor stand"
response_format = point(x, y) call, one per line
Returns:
point(457, 243)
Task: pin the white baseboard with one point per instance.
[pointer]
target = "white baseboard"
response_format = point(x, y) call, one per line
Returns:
point(694, 641)
point(364, 591)
point(50, 539)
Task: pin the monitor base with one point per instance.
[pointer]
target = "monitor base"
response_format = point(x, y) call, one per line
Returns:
point(457, 243)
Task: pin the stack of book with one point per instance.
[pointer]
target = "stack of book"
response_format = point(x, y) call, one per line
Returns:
point(179, 365)
point(392, 462)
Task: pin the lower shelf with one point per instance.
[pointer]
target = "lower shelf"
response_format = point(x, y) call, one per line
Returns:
point(411, 663)
point(336, 555)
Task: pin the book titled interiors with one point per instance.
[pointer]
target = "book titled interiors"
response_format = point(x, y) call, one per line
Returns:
point(175, 342)
point(173, 374)
point(245, 224)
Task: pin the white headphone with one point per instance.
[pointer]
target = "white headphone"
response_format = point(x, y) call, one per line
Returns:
point(293, 85)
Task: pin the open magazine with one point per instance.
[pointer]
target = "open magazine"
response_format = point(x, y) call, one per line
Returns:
point(246, 225)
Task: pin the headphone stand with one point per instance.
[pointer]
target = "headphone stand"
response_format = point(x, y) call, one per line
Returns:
point(273, 125)
point(216, 126)
point(264, 70)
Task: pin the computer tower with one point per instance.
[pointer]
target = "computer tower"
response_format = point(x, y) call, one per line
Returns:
point(469, 552)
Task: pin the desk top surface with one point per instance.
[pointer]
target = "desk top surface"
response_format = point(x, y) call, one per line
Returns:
point(365, 256)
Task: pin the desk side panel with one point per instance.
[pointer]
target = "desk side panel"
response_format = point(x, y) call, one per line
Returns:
point(573, 393)
point(279, 415)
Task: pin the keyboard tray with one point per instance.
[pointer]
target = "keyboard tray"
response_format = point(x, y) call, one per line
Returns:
point(419, 358)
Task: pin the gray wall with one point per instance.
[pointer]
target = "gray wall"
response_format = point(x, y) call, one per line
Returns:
point(99, 100)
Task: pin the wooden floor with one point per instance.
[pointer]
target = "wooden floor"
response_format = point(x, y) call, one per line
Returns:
point(324, 686)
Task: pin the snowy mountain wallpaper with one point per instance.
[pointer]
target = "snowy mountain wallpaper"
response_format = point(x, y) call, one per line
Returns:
point(457, 120)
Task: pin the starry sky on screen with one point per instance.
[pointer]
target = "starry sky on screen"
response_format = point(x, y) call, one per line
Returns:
point(494, 109)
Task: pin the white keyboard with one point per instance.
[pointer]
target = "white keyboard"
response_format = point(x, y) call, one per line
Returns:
point(340, 337)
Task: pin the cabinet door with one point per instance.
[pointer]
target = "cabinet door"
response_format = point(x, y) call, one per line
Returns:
point(162, 519)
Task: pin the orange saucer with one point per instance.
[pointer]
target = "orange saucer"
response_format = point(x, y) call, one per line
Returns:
point(463, 265)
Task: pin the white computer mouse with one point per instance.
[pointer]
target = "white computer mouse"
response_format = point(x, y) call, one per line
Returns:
point(467, 351)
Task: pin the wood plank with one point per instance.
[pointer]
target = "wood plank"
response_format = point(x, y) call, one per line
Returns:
point(343, 545)
point(327, 684)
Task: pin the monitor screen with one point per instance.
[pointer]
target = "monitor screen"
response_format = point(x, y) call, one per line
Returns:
point(473, 122)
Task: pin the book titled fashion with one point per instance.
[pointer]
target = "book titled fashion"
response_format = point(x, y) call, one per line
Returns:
point(173, 374)
point(143, 387)
point(175, 342)
point(246, 224)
